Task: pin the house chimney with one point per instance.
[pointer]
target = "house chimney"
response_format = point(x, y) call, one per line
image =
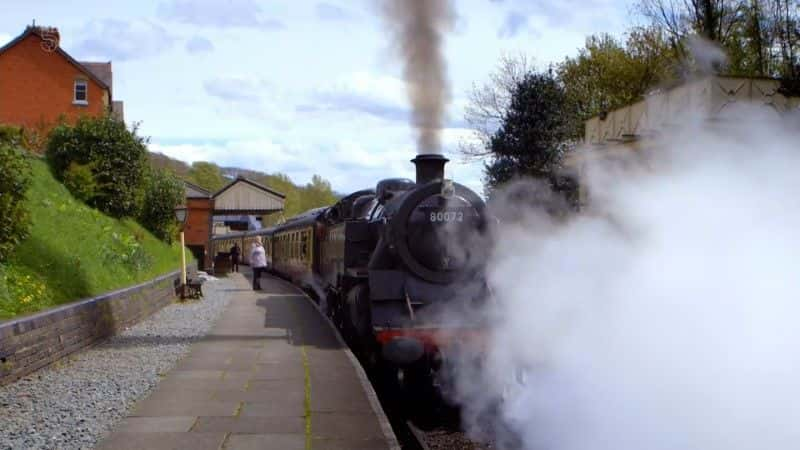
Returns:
point(51, 38)
point(429, 167)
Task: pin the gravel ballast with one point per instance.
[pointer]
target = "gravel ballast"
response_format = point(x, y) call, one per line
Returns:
point(75, 402)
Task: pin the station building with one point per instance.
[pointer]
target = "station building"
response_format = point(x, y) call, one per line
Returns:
point(207, 213)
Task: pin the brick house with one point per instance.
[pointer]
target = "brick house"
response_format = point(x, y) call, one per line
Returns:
point(40, 82)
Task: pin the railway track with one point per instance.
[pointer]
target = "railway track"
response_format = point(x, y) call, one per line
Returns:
point(441, 438)
point(421, 422)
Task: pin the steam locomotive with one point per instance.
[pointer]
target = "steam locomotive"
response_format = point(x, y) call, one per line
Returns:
point(390, 265)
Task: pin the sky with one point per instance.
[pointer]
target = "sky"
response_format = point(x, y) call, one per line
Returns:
point(301, 87)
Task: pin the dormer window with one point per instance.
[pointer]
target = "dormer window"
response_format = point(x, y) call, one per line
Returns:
point(81, 93)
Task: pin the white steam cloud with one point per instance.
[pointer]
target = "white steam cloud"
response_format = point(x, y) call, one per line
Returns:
point(667, 317)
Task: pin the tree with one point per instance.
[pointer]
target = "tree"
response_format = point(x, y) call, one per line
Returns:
point(207, 175)
point(489, 102)
point(117, 157)
point(713, 19)
point(608, 74)
point(162, 192)
point(785, 28)
point(760, 37)
point(317, 193)
point(535, 132)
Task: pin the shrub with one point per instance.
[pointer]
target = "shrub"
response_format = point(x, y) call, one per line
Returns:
point(79, 179)
point(10, 135)
point(34, 138)
point(162, 192)
point(14, 181)
point(117, 157)
point(126, 250)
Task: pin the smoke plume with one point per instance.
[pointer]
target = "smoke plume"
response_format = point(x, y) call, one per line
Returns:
point(664, 317)
point(418, 27)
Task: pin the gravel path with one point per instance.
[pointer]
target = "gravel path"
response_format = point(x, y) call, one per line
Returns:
point(73, 403)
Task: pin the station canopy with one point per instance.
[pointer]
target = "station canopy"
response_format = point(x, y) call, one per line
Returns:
point(246, 197)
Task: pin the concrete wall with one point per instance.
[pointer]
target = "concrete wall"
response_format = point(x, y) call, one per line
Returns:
point(32, 342)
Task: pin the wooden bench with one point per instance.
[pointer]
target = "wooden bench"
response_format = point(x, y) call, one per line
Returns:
point(194, 286)
point(192, 289)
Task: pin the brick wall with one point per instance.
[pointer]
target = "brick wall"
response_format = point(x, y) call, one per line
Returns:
point(32, 342)
point(198, 225)
point(36, 87)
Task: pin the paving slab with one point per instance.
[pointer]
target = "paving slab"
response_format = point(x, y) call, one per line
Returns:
point(291, 406)
point(271, 374)
point(198, 385)
point(250, 425)
point(163, 441)
point(177, 424)
point(158, 406)
point(282, 441)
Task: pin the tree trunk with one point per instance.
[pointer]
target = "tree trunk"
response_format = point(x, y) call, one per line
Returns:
point(709, 20)
point(758, 42)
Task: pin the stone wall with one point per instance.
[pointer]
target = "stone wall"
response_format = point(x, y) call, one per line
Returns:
point(32, 342)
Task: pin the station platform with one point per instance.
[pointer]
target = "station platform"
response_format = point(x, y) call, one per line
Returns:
point(272, 374)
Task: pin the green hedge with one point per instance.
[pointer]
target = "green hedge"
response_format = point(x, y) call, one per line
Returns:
point(14, 181)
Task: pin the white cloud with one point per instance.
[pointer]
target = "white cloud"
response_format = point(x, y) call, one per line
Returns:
point(4, 39)
point(377, 95)
point(233, 13)
point(199, 44)
point(112, 39)
point(237, 88)
point(332, 12)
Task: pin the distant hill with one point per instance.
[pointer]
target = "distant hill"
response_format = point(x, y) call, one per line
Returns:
point(210, 176)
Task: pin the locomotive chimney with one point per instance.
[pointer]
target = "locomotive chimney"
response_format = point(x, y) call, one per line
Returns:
point(429, 167)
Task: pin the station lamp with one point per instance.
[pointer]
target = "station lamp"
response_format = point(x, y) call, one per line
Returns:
point(180, 216)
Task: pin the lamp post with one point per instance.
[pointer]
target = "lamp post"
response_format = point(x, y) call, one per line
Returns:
point(180, 216)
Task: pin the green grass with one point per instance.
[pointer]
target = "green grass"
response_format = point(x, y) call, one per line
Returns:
point(75, 252)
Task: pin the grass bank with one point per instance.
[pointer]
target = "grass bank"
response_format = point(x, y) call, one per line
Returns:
point(75, 252)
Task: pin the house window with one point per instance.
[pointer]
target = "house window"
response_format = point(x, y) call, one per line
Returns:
point(81, 93)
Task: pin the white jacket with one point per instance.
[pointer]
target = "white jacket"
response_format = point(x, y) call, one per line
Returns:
point(258, 257)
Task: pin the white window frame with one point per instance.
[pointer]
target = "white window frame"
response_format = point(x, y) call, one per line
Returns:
point(85, 84)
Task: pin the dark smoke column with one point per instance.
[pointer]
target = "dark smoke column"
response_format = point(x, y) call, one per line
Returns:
point(418, 27)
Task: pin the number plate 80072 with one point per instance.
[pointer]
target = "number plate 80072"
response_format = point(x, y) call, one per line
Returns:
point(446, 216)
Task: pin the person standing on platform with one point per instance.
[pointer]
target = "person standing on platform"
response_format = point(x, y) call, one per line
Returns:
point(258, 261)
point(235, 252)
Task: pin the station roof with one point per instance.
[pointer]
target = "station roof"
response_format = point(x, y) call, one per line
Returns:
point(246, 197)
